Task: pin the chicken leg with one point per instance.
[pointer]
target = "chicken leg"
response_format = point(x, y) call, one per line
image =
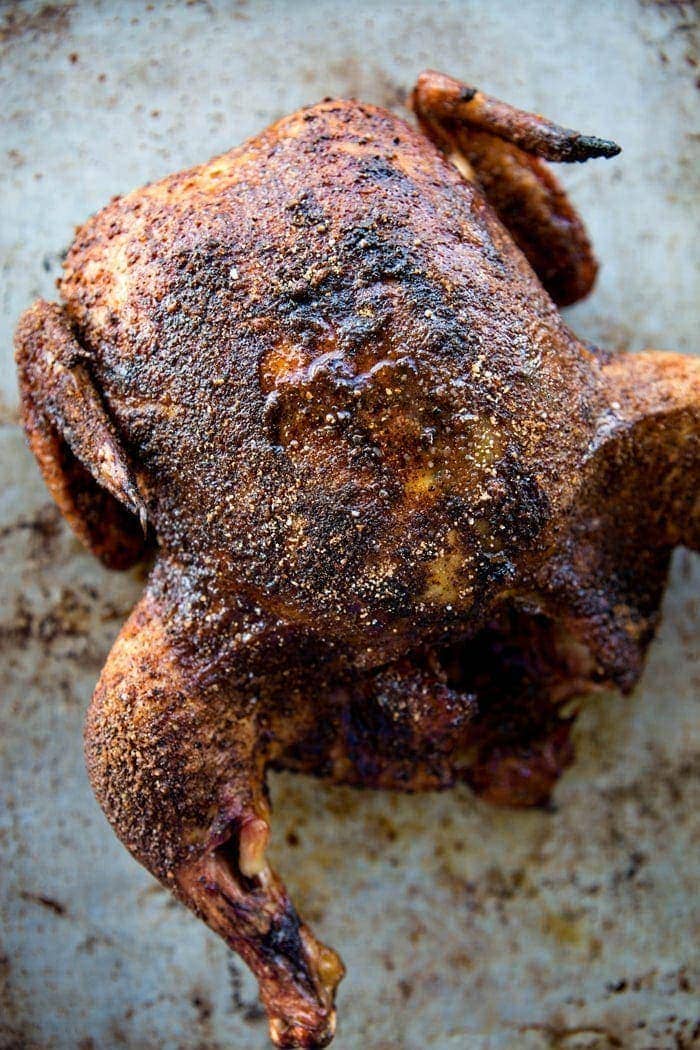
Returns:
point(177, 767)
point(502, 148)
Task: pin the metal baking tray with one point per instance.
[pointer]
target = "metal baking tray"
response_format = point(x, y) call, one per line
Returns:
point(461, 925)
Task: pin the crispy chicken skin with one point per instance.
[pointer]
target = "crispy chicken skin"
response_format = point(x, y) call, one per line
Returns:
point(400, 513)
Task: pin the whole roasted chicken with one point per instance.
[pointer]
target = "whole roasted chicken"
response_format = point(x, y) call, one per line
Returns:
point(402, 517)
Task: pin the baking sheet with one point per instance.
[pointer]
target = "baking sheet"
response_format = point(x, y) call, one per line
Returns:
point(461, 925)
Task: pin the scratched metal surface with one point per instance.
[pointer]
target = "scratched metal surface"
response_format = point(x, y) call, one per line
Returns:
point(461, 926)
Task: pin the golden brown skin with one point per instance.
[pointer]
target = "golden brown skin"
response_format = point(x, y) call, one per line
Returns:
point(400, 513)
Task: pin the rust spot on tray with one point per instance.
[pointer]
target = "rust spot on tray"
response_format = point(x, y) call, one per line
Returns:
point(46, 902)
point(48, 19)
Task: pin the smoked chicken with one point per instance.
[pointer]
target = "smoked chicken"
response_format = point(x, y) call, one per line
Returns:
point(400, 517)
